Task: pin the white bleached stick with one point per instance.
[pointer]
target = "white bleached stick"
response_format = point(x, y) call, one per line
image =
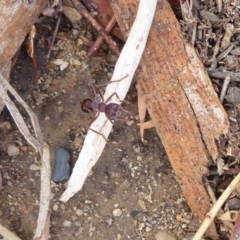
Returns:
point(125, 66)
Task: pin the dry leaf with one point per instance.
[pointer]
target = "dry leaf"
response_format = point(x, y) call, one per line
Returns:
point(221, 166)
point(30, 44)
point(230, 216)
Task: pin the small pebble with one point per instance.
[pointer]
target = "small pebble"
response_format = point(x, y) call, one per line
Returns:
point(9, 184)
point(34, 167)
point(184, 226)
point(6, 125)
point(136, 148)
point(80, 41)
point(62, 206)
point(79, 212)
point(55, 207)
point(109, 221)
point(76, 62)
point(64, 65)
point(61, 170)
point(12, 150)
point(58, 61)
point(67, 223)
point(117, 212)
point(163, 235)
point(148, 229)
point(178, 217)
point(74, 218)
point(74, 32)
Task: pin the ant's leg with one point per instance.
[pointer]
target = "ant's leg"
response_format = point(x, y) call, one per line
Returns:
point(119, 79)
point(126, 111)
point(94, 119)
point(122, 119)
point(109, 98)
point(104, 84)
point(94, 89)
point(97, 91)
point(99, 134)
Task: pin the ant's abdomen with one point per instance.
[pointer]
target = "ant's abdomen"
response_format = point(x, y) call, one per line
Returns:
point(112, 111)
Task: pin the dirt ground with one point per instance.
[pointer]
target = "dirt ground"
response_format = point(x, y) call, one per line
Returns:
point(132, 178)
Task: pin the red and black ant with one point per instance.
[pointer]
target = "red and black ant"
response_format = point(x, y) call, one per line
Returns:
point(111, 110)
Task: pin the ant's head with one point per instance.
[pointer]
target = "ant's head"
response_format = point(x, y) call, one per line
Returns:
point(86, 105)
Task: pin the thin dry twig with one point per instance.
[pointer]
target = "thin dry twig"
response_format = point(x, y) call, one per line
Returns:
point(225, 52)
point(213, 212)
point(235, 76)
point(194, 32)
point(219, 5)
point(142, 109)
point(224, 87)
point(211, 194)
point(126, 66)
point(84, 12)
point(54, 35)
point(100, 39)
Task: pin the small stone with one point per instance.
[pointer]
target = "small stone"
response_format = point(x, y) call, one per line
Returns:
point(13, 209)
point(58, 61)
point(62, 206)
point(34, 167)
point(74, 32)
point(80, 41)
point(61, 170)
point(109, 221)
point(64, 65)
point(116, 205)
point(136, 148)
point(67, 223)
point(184, 226)
point(9, 184)
point(148, 229)
point(74, 218)
point(5, 125)
point(178, 217)
point(12, 150)
point(163, 235)
point(79, 212)
point(47, 118)
point(142, 205)
point(117, 212)
point(55, 207)
point(76, 62)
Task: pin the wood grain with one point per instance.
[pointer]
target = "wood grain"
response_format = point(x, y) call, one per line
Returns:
point(16, 19)
point(182, 103)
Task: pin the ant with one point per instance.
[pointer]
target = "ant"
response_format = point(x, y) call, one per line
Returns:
point(111, 110)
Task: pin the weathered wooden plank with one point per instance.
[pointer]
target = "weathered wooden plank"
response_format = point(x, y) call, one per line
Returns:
point(180, 99)
point(16, 19)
